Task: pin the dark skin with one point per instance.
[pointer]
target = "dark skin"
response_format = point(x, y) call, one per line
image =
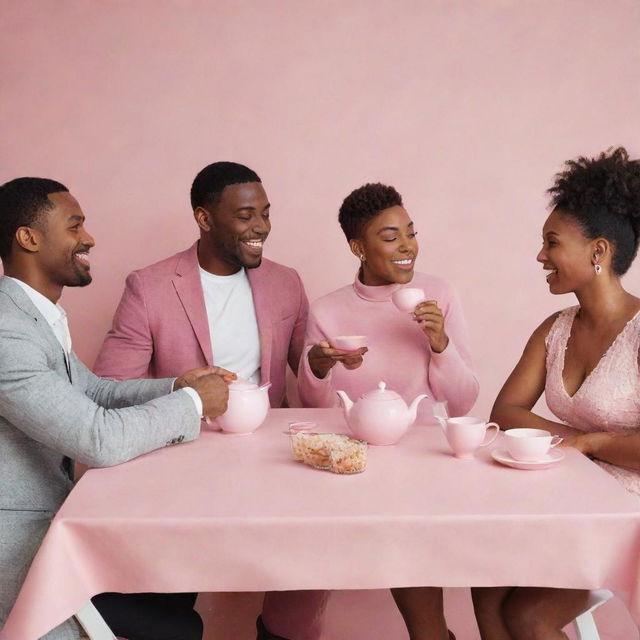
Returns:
point(387, 249)
point(569, 257)
point(53, 254)
point(233, 229)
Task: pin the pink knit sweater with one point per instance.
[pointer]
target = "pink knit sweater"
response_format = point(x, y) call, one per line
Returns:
point(399, 352)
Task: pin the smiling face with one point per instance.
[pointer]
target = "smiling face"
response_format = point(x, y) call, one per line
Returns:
point(389, 246)
point(567, 254)
point(63, 244)
point(233, 230)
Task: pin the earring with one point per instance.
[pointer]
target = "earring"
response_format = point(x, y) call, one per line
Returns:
point(597, 268)
point(363, 258)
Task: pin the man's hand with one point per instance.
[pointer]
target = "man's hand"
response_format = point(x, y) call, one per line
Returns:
point(187, 379)
point(214, 393)
point(322, 357)
point(429, 316)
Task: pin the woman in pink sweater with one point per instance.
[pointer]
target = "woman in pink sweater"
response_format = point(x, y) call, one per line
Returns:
point(426, 352)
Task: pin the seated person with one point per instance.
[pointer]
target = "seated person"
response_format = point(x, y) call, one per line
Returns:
point(426, 353)
point(584, 359)
point(219, 301)
point(52, 408)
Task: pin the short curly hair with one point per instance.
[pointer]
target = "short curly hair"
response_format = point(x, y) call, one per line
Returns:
point(365, 203)
point(603, 195)
point(209, 184)
point(23, 201)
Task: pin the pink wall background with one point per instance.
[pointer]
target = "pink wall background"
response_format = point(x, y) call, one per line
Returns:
point(468, 108)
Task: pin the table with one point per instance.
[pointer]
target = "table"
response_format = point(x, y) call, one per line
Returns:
point(237, 513)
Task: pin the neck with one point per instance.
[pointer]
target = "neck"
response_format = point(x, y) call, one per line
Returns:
point(212, 262)
point(36, 280)
point(603, 300)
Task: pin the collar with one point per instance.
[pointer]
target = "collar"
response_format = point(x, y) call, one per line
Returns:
point(51, 312)
point(380, 293)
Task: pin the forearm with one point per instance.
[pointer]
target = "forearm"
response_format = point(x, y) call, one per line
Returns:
point(512, 416)
point(453, 380)
point(620, 450)
point(313, 391)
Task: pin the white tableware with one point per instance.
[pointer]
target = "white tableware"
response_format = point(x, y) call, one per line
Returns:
point(530, 445)
point(467, 434)
point(407, 298)
point(348, 343)
point(380, 416)
point(552, 458)
point(247, 407)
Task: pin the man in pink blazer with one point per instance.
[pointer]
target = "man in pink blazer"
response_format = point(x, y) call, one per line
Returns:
point(218, 301)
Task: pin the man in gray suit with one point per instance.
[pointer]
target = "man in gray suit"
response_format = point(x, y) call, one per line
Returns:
point(52, 408)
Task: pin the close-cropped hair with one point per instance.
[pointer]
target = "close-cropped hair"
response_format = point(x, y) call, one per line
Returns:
point(208, 185)
point(364, 204)
point(23, 201)
point(603, 195)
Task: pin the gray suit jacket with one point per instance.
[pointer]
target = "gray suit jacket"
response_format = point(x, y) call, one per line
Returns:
point(49, 415)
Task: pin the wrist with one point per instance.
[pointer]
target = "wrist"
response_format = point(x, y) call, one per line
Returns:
point(438, 346)
point(595, 442)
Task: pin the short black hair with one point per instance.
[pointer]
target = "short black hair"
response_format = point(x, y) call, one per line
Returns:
point(603, 195)
point(211, 181)
point(365, 203)
point(22, 203)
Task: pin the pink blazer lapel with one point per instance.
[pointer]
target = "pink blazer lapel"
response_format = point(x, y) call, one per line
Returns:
point(260, 291)
point(189, 289)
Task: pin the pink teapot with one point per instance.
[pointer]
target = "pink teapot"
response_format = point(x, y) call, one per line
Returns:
point(380, 416)
point(247, 407)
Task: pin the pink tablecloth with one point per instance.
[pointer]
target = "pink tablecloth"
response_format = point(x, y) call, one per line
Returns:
point(230, 513)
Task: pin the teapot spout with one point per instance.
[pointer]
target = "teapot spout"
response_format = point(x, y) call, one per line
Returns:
point(413, 408)
point(346, 403)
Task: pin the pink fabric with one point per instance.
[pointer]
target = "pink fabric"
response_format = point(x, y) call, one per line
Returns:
point(160, 328)
point(229, 513)
point(399, 351)
point(609, 398)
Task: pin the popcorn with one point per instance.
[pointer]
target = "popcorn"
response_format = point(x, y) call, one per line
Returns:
point(336, 452)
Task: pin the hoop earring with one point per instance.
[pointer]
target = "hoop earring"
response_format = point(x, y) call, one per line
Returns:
point(597, 268)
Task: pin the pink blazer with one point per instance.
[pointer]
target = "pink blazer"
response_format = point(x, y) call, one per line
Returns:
point(160, 328)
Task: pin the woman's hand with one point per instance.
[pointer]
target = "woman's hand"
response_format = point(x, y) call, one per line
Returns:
point(429, 316)
point(587, 443)
point(322, 357)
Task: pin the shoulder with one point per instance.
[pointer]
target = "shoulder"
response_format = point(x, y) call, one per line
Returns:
point(547, 327)
point(166, 267)
point(332, 299)
point(279, 273)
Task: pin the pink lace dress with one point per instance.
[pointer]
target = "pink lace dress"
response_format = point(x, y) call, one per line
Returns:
point(609, 398)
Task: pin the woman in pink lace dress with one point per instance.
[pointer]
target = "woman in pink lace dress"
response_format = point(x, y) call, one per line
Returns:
point(584, 358)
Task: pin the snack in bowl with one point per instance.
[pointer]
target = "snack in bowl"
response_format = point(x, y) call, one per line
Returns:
point(349, 457)
point(333, 451)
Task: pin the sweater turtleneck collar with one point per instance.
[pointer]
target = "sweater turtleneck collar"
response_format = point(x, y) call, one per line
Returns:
point(380, 293)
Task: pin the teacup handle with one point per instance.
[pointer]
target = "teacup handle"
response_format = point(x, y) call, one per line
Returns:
point(555, 441)
point(495, 435)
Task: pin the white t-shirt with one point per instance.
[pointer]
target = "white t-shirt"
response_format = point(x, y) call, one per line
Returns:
point(233, 327)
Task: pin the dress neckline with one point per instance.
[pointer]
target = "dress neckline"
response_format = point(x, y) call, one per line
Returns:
point(605, 355)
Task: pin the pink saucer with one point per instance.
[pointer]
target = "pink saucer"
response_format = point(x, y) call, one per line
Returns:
point(553, 457)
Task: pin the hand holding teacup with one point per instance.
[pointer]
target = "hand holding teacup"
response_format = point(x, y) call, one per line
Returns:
point(323, 356)
point(425, 312)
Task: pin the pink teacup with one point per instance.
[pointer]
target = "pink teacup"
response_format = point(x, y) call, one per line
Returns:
point(530, 445)
point(466, 434)
point(348, 343)
point(407, 298)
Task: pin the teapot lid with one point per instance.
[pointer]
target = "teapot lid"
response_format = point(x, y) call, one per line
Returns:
point(242, 385)
point(381, 393)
